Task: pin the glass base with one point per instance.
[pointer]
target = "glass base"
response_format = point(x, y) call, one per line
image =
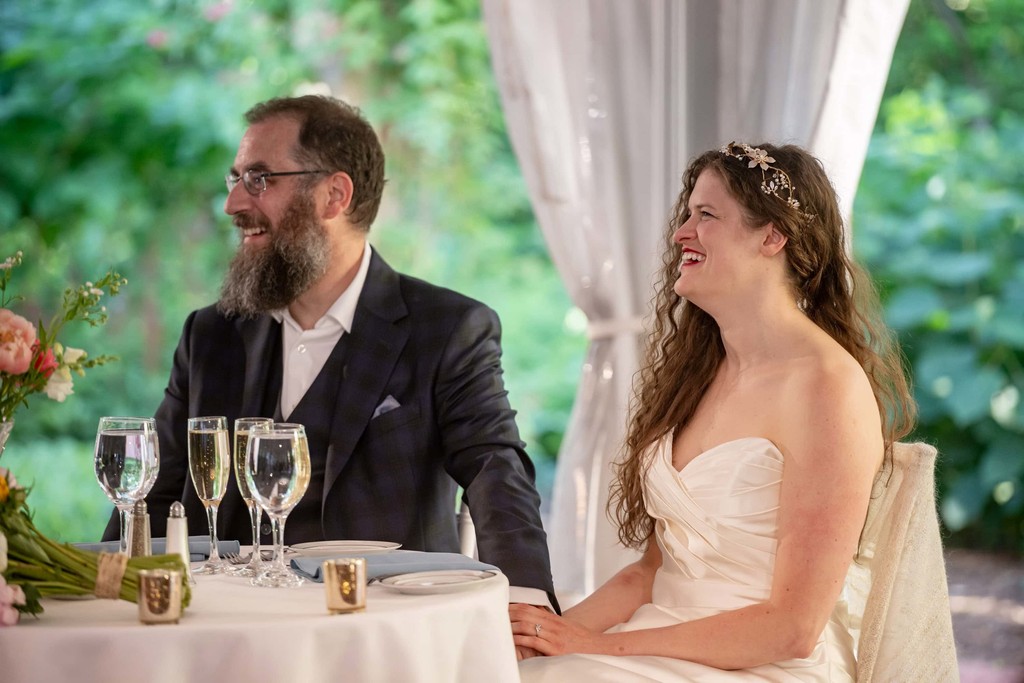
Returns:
point(253, 568)
point(213, 567)
point(273, 577)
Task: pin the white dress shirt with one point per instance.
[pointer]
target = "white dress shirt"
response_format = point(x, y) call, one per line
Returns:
point(304, 352)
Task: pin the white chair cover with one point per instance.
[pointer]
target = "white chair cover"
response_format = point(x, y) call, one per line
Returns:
point(899, 582)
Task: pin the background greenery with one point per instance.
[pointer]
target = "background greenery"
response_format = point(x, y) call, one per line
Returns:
point(117, 124)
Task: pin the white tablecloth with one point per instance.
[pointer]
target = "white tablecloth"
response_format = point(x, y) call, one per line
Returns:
point(235, 632)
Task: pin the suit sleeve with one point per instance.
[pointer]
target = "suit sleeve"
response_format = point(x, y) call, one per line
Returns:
point(485, 455)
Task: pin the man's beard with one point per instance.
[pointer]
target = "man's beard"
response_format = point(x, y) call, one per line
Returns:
point(272, 276)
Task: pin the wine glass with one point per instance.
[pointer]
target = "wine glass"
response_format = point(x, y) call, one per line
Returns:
point(277, 471)
point(209, 459)
point(126, 460)
point(243, 426)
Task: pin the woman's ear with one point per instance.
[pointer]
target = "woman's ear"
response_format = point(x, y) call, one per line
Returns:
point(339, 194)
point(774, 240)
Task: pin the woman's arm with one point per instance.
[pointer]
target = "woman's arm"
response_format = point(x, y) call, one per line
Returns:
point(616, 600)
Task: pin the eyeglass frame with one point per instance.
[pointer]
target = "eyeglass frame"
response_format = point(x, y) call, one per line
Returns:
point(257, 180)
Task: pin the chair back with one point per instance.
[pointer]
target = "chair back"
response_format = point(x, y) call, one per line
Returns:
point(898, 583)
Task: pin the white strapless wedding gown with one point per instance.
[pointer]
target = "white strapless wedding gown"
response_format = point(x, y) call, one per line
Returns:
point(716, 525)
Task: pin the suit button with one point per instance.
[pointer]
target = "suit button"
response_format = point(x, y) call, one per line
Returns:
point(265, 528)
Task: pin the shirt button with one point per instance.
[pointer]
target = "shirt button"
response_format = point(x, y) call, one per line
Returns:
point(301, 348)
point(265, 528)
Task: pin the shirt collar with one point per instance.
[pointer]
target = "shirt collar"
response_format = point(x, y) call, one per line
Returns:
point(343, 311)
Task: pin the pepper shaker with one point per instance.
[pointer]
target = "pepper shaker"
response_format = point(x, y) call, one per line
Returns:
point(139, 530)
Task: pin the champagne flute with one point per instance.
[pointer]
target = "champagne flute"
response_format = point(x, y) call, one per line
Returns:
point(126, 457)
point(277, 471)
point(209, 460)
point(243, 426)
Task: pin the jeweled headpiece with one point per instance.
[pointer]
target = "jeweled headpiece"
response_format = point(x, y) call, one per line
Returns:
point(774, 180)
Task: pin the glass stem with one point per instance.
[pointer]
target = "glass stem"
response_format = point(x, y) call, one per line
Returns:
point(254, 514)
point(126, 528)
point(211, 516)
point(278, 524)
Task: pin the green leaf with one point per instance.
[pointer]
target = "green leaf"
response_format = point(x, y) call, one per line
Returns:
point(963, 503)
point(912, 306)
point(1003, 461)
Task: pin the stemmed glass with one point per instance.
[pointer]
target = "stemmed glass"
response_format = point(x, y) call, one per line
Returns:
point(209, 460)
point(277, 471)
point(243, 426)
point(126, 461)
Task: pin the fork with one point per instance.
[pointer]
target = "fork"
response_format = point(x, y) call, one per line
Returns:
point(235, 558)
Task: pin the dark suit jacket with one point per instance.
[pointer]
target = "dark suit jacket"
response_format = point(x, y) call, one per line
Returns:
point(389, 478)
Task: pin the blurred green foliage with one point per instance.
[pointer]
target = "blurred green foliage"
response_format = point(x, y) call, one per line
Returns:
point(117, 125)
point(939, 222)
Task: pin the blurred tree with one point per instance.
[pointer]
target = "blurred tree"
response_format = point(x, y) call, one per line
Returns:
point(119, 123)
point(938, 223)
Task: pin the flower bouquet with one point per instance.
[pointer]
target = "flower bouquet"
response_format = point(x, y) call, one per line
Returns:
point(33, 566)
point(31, 358)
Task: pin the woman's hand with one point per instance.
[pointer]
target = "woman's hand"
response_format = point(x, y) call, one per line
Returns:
point(545, 633)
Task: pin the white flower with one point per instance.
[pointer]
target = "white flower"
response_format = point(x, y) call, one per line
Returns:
point(60, 385)
point(72, 355)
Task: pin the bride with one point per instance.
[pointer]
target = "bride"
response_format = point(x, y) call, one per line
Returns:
point(770, 396)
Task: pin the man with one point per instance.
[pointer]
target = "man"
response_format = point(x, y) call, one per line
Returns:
point(398, 382)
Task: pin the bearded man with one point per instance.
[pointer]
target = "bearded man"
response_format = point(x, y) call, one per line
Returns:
point(398, 382)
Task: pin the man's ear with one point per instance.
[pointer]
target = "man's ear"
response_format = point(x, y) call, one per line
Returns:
point(339, 194)
point(774, 240)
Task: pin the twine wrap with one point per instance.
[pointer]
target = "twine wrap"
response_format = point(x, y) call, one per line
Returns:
point(109, 572)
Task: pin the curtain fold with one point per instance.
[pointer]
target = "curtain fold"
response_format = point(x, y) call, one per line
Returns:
point(605, 103)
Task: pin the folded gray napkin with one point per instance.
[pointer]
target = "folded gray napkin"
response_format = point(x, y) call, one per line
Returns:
point(198, 547)
point(383, 565)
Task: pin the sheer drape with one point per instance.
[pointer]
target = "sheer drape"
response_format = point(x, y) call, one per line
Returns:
point(605, 102)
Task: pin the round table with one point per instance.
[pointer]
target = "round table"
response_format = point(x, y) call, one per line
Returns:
point(233, 631)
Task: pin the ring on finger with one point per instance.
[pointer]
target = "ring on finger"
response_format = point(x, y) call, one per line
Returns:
point(536, 629)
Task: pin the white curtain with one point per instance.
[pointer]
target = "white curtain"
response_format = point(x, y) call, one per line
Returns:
point(606, 101)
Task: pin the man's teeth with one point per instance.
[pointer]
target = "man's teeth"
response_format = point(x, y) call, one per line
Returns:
point(249, 232)
point(692, 256)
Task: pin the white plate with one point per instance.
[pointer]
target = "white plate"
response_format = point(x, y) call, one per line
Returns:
point(441, 581)
point(338, 548)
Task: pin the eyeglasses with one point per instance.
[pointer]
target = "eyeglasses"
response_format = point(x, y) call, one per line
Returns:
point(256, 181)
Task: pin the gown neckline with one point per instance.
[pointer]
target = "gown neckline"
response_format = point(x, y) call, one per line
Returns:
point(713, 449)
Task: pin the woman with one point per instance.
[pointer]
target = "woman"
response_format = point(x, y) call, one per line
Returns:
point(770, 396)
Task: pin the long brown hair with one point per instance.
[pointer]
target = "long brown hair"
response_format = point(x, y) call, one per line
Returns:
point(685, 347)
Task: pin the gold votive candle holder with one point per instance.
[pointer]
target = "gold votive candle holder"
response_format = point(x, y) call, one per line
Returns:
point(344, 584)
point(159, 596)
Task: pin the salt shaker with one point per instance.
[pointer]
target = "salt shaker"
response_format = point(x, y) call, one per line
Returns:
point(177, 537)
point(139, 545)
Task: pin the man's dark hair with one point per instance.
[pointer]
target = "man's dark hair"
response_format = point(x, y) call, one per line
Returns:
point(334, 136)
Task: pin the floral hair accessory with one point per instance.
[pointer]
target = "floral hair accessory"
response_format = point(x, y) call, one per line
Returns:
point(774, 180)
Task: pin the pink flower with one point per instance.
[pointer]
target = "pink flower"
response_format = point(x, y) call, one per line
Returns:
point(156, 39)
point(217, 12)
point(10, 598)
point(45, 363)
point(17, 337)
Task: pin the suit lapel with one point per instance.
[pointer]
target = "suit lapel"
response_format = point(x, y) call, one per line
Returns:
point(372, 349)
point(258, 336)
